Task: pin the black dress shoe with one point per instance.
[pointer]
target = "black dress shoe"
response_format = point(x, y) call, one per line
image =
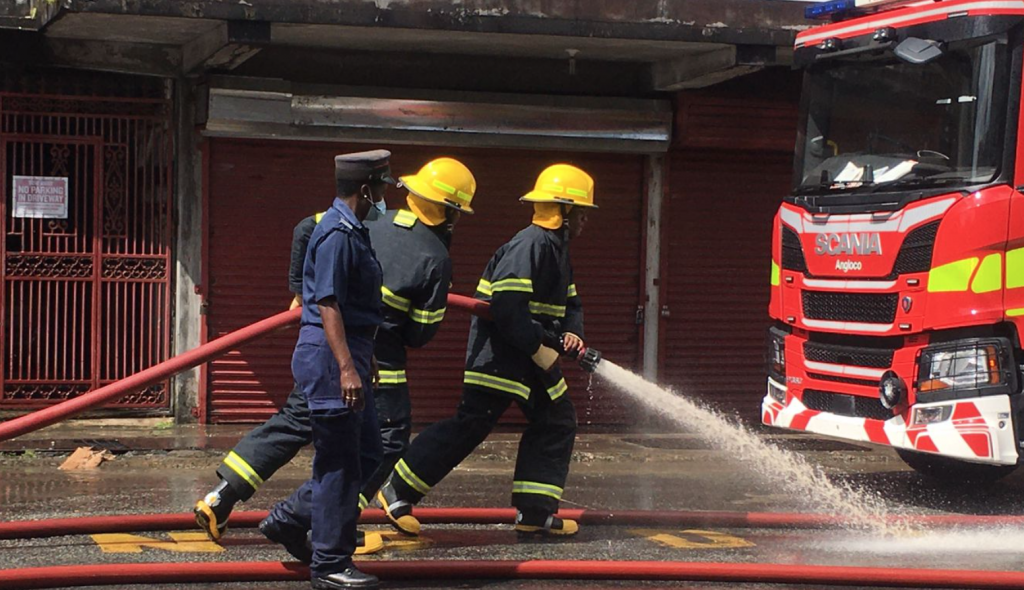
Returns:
point(350, 577)
point(294, 542)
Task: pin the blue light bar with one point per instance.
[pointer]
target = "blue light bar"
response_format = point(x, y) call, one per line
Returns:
point(827, 9)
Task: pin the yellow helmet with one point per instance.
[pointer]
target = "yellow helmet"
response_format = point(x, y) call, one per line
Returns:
point(563, 183)
point(446, 181)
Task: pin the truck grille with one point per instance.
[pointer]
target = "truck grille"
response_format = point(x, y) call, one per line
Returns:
point(916, 252)
point(878, 358)
point(842, 379)
point(870, 308)
point(792, 251)
point(854, 406)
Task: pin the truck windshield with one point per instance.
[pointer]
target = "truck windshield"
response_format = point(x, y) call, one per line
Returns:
point(873, 125)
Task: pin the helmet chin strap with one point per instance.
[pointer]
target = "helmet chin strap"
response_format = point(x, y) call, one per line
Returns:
point(449, 227)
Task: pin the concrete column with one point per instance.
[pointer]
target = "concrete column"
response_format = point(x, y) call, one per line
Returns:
point(654, 175)
point(188, 242)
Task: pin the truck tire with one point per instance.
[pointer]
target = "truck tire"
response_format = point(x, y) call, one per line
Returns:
point(953, 471)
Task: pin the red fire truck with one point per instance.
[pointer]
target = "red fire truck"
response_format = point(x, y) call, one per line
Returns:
point(897, 274)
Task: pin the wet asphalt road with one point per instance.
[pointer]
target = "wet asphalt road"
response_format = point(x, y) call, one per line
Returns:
point(610, 472)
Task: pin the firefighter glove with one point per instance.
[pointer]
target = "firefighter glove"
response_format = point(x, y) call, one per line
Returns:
point(545, 357)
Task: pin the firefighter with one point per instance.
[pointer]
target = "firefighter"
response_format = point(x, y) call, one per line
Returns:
point(536, 316)
point(412, 247)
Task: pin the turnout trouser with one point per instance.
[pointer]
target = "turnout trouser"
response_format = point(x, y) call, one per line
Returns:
point(394, 415)
point(271, 445)
point(542, 464)
point(268, 447)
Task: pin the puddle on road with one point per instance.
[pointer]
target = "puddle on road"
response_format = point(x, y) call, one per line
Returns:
point(931, 542)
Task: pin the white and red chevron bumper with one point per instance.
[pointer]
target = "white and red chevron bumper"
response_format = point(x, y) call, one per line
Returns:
point(979, 430)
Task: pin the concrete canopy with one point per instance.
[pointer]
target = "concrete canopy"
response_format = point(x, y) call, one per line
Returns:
point(677, 44)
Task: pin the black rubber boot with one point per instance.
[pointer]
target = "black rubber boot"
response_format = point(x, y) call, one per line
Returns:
point(541, 523)
point(350, 577)
point(213, 510)
point(398, 511)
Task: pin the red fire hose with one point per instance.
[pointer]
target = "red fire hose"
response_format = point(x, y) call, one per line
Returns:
point(470, 305)
point(765, 573)
point(182, 362)
point(33, 529)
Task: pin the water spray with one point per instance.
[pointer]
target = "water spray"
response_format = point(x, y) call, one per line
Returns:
point(783, 468)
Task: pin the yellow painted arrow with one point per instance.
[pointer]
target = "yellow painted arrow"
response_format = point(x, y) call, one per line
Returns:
point(181, 542)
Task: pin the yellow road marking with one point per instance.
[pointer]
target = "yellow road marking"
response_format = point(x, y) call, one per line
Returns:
point(181, 542)
point(693, 539)
point(393, 540)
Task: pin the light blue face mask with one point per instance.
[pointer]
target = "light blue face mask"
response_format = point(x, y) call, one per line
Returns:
point(377, 210)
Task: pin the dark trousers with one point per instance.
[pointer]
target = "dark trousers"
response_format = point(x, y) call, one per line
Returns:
point(271, 445)
point(330, 497)
point(545, 448)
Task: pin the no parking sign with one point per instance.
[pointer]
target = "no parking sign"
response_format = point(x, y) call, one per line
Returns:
point(40, 197)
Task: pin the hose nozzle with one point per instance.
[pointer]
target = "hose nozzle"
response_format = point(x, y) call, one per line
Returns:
point(589, 359)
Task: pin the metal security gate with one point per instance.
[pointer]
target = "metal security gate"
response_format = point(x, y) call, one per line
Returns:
point(85, 292)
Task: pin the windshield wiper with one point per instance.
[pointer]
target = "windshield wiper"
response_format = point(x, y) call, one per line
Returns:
point(922, 181)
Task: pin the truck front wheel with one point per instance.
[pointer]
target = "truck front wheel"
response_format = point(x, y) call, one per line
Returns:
point(948, 470)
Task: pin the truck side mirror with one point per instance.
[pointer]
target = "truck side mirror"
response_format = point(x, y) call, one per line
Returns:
point(918, 51)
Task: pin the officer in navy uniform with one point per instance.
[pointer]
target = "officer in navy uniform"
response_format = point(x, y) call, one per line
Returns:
point(412, 246)
point(333, 364)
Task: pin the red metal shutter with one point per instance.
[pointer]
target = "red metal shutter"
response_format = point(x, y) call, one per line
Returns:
point(725, 185)
point(260, 189)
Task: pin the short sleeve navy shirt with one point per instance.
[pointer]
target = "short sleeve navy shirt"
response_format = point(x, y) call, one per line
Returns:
point(341, 263)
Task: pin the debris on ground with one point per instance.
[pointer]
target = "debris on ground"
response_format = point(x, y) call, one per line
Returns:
point(86, 458)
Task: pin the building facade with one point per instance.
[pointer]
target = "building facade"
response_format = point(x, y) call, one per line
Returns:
point(185, 140)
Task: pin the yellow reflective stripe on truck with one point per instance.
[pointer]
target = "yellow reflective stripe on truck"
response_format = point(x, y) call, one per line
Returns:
point(989, 276)
point(952, 277)
point(1015, 268)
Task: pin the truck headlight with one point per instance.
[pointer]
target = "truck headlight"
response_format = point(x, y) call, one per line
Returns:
point(964, 366)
